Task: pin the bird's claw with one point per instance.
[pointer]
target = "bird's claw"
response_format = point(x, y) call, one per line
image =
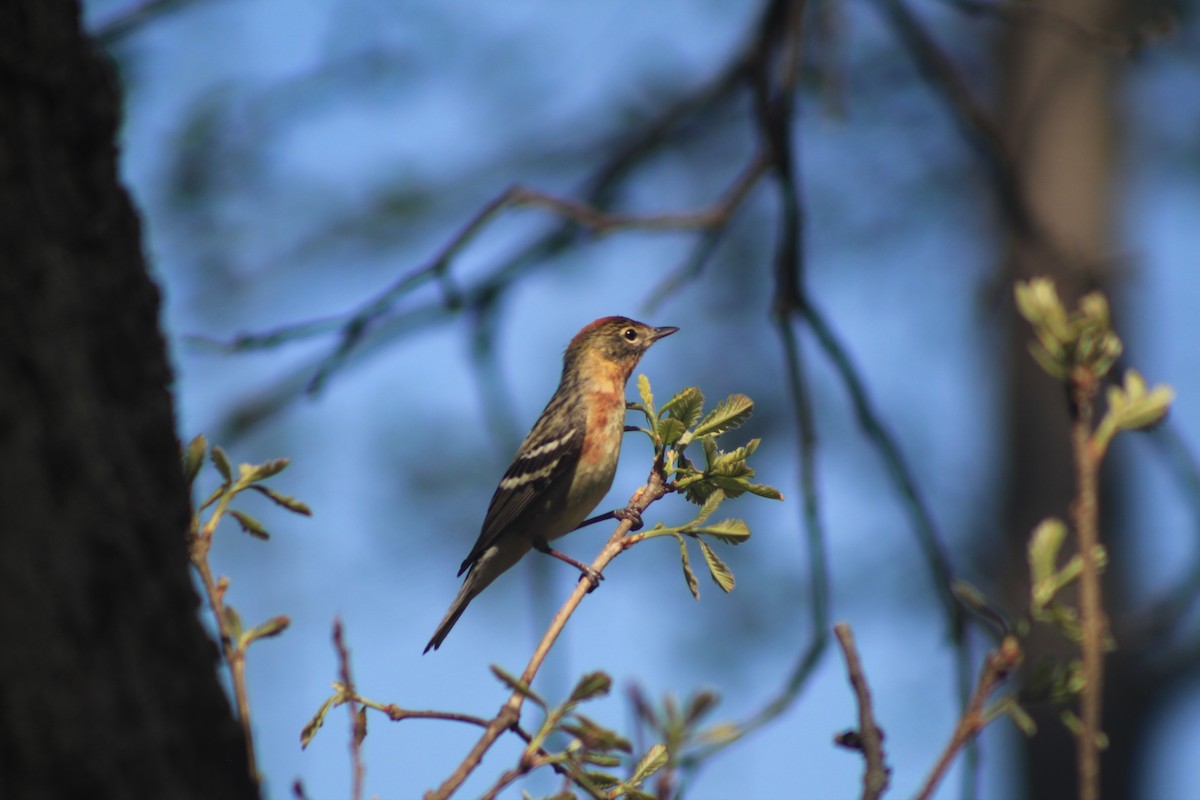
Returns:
point(632, 516)
point(592, 576)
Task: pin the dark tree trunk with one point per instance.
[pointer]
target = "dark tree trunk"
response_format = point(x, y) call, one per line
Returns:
point(107, 680)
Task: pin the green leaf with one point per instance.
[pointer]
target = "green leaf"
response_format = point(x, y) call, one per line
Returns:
point(720, 734)
point(762, 490)
point(272, 627)
point(737, 456)
point(638, 794)
point(310, 730)
point(193, 458)
point(221, 462)
point(710, 505)
point(654, 760)
point(1133, 407)
point(596, 737)
point(360, 725)
point(647, 398)
point(600, 759)
point(693, 583)
point(603, 779)
point(260, 472)
point(250, 525)
point(700, 705)
point(721, 574)
point(1072, 722)
point(1044, 546)
point(671, 430)
point(288, 502)
point(730, 531)
point(517, 685)
point(729, 414)
point(594, 684)
point(232, 624)
point(1021, 719)
point(685, 406)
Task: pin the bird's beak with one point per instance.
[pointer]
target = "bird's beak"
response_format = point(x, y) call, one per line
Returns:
point(660, 333)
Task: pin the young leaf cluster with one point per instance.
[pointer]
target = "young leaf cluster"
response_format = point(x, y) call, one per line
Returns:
point(681, 728)
point(1047, 579)
point(1080, 348)
point(1070, 346)
point(591, 748)
point(236, 638)
point(249, 477)
point(679, 423)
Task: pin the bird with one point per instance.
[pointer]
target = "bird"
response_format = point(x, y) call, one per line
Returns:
point(565, 466)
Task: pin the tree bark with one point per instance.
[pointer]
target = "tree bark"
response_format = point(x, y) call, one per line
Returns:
point(107, 681)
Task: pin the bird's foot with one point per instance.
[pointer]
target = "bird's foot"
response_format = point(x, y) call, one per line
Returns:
point(631, 515)
point(585, 570)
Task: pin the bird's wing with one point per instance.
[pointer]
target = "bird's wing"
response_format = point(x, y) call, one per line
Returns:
point(547, 456)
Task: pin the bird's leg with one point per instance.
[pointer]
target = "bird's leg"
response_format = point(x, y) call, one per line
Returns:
point(585, 571)
point(595, 519)
point(622, 514)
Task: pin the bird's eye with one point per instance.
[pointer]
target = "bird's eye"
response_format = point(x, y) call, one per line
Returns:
point(630, 335)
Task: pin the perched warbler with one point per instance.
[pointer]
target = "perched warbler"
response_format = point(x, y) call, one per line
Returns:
point(566, 464)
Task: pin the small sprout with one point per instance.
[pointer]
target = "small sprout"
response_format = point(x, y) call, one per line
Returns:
point(1133, 407)
point(193, 458)
point(654, 760)
point(592, 685)
point(221, 461)
point(647, 398)
point(286, 501)
point(517, 685)
point(250, 525)
point(314, 724)
point(272, 627)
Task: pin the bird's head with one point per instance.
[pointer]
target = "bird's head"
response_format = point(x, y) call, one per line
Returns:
point(616, 342)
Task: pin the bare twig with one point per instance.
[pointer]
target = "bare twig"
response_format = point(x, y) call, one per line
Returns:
point(358, 717)
point(877, 773)
point(978, 127)
point(113, 30)
point(510, 712)
point(200, 541)
point(996, 667)
point(1085, 511)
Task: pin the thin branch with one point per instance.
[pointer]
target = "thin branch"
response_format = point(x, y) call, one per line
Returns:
point(1123, 44)
point(358, 719)
point(996, 668)
point(870, 739)
point(111, 31)
point(356, 327)
point(774, 94)
point(510, 712)
point(199, 544)
point(1093, 624)
point(974, 121)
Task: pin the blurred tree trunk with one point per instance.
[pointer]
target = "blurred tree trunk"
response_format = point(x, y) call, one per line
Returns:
point(107, 680)
point(1058, 97)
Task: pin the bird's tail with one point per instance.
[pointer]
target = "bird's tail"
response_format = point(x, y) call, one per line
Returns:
point(465, 595)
